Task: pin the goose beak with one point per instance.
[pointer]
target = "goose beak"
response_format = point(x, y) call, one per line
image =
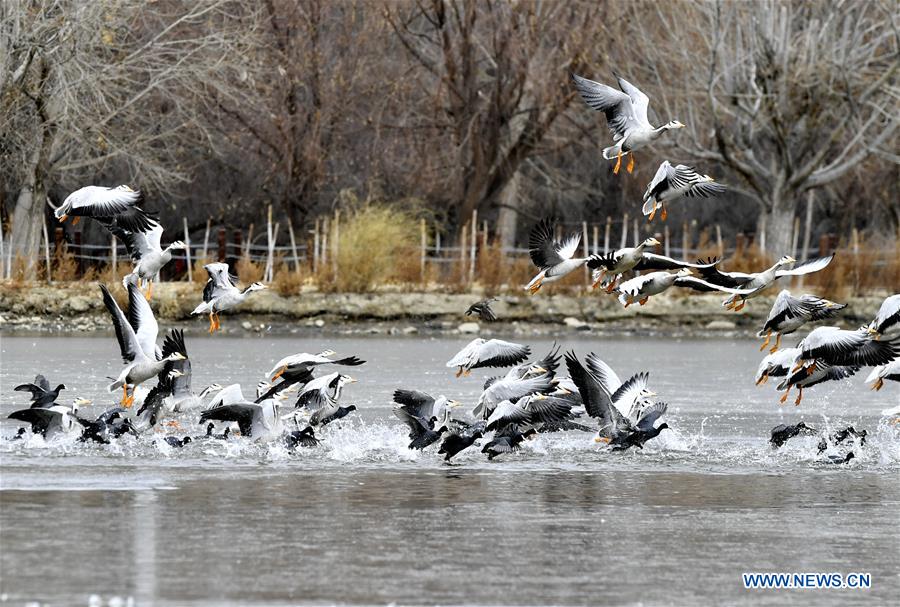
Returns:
point(352, 380)
point(762, 379)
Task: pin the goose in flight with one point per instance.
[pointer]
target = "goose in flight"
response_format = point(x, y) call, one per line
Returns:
point(488, 353)
point(136, 335)
point(220, 293)
point(53, 421)
point(790, 313)
point(426, 407)
point(671, 182)
point(41, 393)
point(483, 310)
point(510, 388)
point(776, 364)
point(118, 205)
point(626, 117)
point(816, 373)
point(888, 371)
point(553, 258)
point(840, 347)
point(754, 284)
point(183, 397)
point(888, 316)
point(636, 259)
point(147, 253)
point(620, 430)
point(532, 409)
point(324, 391)
point(641, 288)
point(298, 363)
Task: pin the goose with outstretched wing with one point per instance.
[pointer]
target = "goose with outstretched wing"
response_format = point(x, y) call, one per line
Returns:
point(671, 182)
point(220, 293)
point(136, 335)
point(641, 288)
point(147, 254)
point(554, 258)
point(297, 363)
point(789, 313)
point(808, 377)
point(480, 353)
point(841, 347)
point(636, 259)
point(888, 316)
point(752, 285)
point(626, 117)
point(106, 204)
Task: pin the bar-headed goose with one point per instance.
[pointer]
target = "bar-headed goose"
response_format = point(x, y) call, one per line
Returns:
point(259, 421)
point(555, 259)
point(840, 347)
point(641, 288)
point(790, 313)
point(671, 182)
point(220, 293)
point(137, 341)
point(303, 361)
point(637, 259)
point(817, 373)
point(626, 117)
point(488, 353)
point(888, 371)
point(888, 316)
point(117, 204)
point(147, 253)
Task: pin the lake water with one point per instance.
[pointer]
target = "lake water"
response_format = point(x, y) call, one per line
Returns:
point(362, 520)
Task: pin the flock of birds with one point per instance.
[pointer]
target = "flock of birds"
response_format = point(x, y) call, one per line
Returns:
point(531, 398)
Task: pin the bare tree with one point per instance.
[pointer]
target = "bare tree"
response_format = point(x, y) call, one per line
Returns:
point(497, 76)
point(788, 96)
point(109, 87)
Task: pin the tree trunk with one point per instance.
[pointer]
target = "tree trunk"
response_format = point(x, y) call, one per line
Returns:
point(778, 224)
point(25, 235)
point(508, 218)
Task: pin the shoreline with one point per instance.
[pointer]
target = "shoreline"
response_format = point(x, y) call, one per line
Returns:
point(77, 308)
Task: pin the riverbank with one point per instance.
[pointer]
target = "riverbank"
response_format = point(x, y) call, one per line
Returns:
point(77, 307)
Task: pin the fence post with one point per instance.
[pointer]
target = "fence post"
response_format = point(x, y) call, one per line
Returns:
point(114, 253)
point(270, 251)
point(336, 242)
point(685, 240)
point(47, 248)
point(585, 245)
point(761, 241)
point(323, 255)
point(206, 241)
point(293, 245)
point(187, 250)
point(473, 246)
point(221, 243)
point(316, 246)
point(719, 244)
point(423, 233)
point(606, 234)
point(636, 232)
point(624, 231)
point(2, 256)
point(462, 252)
point(596, 243)
point(437, 240)
point(666, 240)
point(238, 244)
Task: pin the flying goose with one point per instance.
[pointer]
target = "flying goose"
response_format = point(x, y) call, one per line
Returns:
point(507, 440)
point(641, 288)
point(752, 285)
point(158, 401)
point(324, 391)
point(300, 362)
point(41, 394)
point(808, 377)
point(220, 293)
point(776, 364)
point(424, 406)
point(790, 313)
point(509, 388)
point(49, 422)
point(118, 205)
point(782, 433)
point(532, 409)
point(672, 182)
point(888, 371)
point(137, 341)
point(620, 430)
point(888, 316)
point(483, 310)
point(183, 397)
point(638, 259)
point(553, 258)
point(626, 117)
point(840, 347)
point(488, 353)
point(147, 253)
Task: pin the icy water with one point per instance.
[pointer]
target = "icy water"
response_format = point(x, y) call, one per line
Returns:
point(362, 520)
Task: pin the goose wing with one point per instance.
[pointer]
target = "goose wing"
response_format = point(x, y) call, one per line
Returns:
point(652, 261)
point(131, 221)
point(806, 267)
point(701, 285)
point(786, 307)
point(417, 403)
point(888, 313)
point(639, 101)
point(841, 347)
point(705, 189)
point(507, 413)
point(548, 409)
point(97, 201)
point(129, 344)
point(595, 398)
point(616, 105)
point(499, 353)
point(228, 395)
point(174, 342)
point(715, 276)
point(820, 309)
point(219, 281)
point(545, 252)
point(659, 181)
point(418, 427)
point(608, 379)
point(629, 392)
point(40, 418)
point(142, 320)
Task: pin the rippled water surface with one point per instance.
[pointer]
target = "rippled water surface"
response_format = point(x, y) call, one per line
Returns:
point(362, 520)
